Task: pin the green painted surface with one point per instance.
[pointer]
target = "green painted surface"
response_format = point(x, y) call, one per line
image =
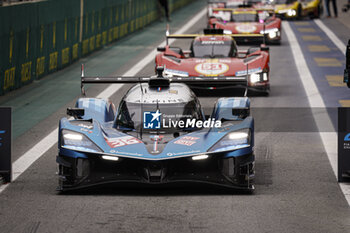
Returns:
point(43, 97)
point(51, 35)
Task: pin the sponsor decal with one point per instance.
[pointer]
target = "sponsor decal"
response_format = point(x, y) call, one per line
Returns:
point(151, 120)
point(347, 142)
point(179, 73)
point(211, 68)
point(86, 126)
point(85, 130)
point(347, 137)
point(250, 71)
point(186, 140)
point(225, 60)
point(200, 60)
point(191, 123)
point(224, 130)
point(183, 153)
point(122, 141)
point(125, 153)
point(246, 28)
point(211, 42)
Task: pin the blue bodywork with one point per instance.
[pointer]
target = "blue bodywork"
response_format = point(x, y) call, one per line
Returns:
point(101, 114)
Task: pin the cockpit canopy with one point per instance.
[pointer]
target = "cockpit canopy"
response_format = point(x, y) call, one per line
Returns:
point(213, 47)
point(144, 108)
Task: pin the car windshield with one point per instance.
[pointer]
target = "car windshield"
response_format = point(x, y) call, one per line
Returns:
point(245, 18)
point(133, 116)
point(213, 49)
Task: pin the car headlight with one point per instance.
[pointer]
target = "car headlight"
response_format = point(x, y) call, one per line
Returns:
point(200, 157)
point(291, 12)
point(227, 32)
point(233, 141)
point(174, 73)
point(272, 32)
point(258, 77)
point(77, 141)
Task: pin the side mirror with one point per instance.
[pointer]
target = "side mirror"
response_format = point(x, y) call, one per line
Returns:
point(161, 49)
point(252, 50)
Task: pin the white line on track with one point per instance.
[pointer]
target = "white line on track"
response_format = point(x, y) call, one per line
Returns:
point(27, 159)
point(322, 120)
point(341, 46)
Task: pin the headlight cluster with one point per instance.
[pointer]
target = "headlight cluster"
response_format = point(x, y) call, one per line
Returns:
point(288, 12)
point(200, 157)
point(227, 32)
point(271, 33)
point(291, 12)
point(258, 77)
point(233, 141)
point(77, 141)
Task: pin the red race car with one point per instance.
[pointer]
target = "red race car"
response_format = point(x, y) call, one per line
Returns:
point(247, 21)
point(214, 54)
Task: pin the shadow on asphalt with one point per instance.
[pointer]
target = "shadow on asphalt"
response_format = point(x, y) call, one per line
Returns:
point(136, 190)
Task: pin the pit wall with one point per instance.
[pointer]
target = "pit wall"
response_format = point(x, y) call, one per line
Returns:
point(40, 38)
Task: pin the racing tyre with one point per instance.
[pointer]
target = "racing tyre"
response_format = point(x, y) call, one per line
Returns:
point(348, 84)
point(316, 13)
point(299, 12)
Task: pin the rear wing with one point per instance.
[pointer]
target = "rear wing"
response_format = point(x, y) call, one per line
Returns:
point(253, 9)
point(238, 37)
point(223, 9)
point(271, 11)
point(160, 81)
point(224, 2)
point(239, 4)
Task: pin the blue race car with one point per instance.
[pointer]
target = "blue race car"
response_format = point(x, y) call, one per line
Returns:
point(157, 136)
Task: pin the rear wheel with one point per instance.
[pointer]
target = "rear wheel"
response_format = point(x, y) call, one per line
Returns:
point(317, 13)
point(298, 12)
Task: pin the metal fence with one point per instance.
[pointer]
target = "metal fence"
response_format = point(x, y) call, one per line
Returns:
point(39, 38)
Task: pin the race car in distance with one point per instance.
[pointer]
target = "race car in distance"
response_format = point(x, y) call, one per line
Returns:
point(157, 136)
point(214, 54)
point(285, 9)
point(247, 21)
point(295, 9)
